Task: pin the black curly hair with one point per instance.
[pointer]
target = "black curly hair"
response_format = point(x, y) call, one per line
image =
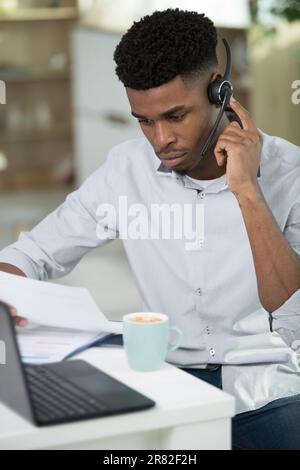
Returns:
point(163, 45)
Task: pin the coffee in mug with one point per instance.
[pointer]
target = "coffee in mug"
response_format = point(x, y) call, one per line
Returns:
point(145, 319)
point(146, 340)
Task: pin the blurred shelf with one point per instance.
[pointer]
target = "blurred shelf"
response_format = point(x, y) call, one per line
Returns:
point(34, 178)
point(40, 14)
point(34, 77)
point(36, 126)
point(58, 133)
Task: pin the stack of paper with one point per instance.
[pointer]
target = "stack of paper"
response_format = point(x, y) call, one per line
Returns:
point(62, 319)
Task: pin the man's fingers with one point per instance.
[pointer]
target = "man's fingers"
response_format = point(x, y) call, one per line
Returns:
point(20, 321)
point(12, 310)
point(243, 114)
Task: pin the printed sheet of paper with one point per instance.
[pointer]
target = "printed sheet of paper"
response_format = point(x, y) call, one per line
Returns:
point(61, 318)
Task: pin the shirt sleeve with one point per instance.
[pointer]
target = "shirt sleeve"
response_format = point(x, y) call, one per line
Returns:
point(58, 242)
point(286, 319)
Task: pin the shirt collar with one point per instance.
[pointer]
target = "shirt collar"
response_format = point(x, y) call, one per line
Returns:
point(163, 169)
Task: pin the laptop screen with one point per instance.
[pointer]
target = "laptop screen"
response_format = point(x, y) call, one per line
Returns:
point(13, 387)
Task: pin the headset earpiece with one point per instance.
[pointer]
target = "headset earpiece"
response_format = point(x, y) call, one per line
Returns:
point(217, 91)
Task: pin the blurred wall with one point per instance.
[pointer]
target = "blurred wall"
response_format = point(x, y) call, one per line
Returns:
point(275, 65)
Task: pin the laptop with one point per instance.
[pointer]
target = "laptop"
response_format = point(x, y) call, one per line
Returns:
point(59, 392)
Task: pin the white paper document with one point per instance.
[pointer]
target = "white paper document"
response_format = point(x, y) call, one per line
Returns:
point(42, 344)
point(62, 319)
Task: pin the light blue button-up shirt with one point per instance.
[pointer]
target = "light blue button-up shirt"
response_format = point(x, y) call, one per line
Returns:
point(209, 290)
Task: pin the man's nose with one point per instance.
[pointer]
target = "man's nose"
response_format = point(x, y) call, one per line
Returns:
point(163, 136)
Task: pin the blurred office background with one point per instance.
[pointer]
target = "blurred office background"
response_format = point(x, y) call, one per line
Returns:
point(65, 107)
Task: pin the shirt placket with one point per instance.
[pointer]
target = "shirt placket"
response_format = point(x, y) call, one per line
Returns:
point(199, 260)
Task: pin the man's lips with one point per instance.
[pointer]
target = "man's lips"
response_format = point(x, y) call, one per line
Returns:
point(173, 160)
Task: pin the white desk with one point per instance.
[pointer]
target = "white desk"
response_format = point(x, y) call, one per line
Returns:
point(190, 414)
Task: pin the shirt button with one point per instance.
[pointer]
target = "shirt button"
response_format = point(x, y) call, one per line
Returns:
point(295, 345)
point(212, 352)
point(202, 195)
point(199, 291)
point(207, 330)
point(199, 243)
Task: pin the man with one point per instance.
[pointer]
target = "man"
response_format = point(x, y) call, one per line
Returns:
point(234, 290)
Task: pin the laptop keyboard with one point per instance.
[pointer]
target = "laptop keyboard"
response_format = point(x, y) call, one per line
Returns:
point(58, 400)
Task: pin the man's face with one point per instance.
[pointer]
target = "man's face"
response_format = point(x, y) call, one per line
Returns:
point(176, 118)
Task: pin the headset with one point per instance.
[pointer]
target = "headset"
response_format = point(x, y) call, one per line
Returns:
point(219, 93)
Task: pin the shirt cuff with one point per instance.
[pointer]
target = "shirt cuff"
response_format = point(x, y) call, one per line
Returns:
point(286, 321)
point(20, 260)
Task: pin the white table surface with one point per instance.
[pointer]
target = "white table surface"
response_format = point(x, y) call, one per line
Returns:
point(189, 414)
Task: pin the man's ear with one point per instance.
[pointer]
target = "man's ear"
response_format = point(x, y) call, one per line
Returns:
point(214, 76)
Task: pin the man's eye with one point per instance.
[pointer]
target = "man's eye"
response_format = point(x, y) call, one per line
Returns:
point(177, 117)
point(144, 121)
